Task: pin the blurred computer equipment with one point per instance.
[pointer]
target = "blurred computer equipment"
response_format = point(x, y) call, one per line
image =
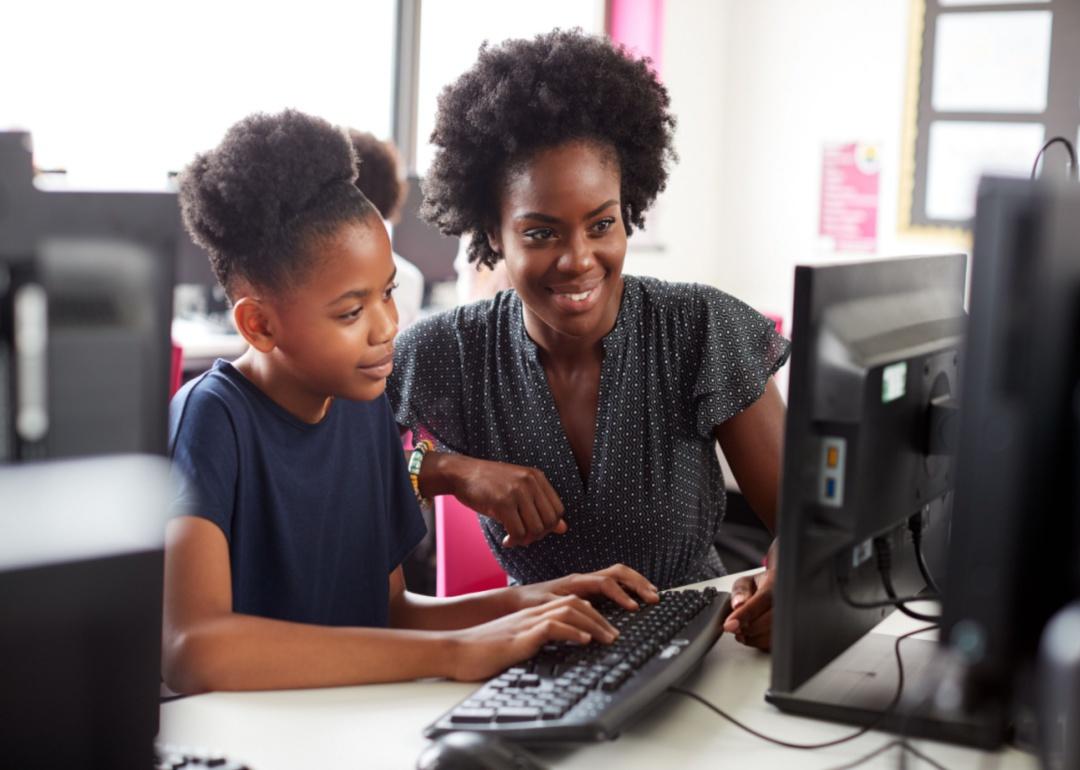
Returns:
point(80, 597)
point(86, 285)
point(867, 483)
point(421, 243)
point(1014, 555)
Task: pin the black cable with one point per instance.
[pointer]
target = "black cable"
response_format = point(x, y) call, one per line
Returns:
point(1045, 147)
point(826, 744)
point(875, 604)
point(915, 525)
point(884, 564)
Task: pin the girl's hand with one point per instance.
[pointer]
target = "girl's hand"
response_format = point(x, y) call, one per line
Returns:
point(482, 651)
point(519, 498)
point(616, 583)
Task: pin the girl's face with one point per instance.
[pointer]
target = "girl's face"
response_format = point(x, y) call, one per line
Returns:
point(335, 333)
point(561, 233)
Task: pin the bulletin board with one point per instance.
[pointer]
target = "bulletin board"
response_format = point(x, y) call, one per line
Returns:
point(988, 82)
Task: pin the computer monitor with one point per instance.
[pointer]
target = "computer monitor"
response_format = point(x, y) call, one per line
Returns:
point(80, 596)
point(86, 283)
point(867, 470)
point(1014, 554)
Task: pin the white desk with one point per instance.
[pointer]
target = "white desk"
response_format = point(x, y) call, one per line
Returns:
point(203, 343)
point(379, 726)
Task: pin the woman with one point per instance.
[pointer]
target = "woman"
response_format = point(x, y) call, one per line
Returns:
point(582, 402)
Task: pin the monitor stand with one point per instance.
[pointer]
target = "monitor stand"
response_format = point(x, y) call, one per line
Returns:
point(859, 685)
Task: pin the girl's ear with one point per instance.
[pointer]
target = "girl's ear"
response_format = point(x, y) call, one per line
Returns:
point(254, 323)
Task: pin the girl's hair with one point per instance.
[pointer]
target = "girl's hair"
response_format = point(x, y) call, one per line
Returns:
point(525, 95)
point(259, 201)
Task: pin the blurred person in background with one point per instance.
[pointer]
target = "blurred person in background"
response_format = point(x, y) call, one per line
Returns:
point(381, 181)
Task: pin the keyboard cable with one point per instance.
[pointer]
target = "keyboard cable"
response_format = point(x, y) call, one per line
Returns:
point(837, 741)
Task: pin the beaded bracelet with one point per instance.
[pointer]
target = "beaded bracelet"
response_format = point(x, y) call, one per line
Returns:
point(416, 459)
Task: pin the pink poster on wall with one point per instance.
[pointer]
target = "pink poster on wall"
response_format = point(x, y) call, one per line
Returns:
point(849, 197)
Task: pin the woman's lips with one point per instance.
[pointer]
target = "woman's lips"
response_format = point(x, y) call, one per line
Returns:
point(575, 299)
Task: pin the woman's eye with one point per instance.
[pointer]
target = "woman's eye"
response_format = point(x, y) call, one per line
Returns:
point(540, 234)
point(604, 225)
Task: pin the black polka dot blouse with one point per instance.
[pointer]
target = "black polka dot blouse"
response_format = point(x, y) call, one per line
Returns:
point(681, 359)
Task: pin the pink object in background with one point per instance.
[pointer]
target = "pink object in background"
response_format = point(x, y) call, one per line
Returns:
point(176, 372)
point(778, 320)
point(463, 560)
point(639, 25)
point(849, 197)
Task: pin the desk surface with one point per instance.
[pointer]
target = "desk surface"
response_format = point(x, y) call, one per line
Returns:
point(202, 342)
point(377, 726)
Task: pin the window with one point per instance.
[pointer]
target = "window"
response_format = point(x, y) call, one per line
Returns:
point(121, 92)
point(451, 32)
point(992, 81)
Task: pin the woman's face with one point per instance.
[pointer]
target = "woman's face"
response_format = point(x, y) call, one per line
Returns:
point(561, 233)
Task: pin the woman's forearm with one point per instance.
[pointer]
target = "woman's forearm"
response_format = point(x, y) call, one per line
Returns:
point(440, 473)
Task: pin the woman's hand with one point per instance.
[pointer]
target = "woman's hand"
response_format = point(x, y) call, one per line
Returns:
point(482, 651)
point(519, 498)
point(751, 602)
point(616, 583)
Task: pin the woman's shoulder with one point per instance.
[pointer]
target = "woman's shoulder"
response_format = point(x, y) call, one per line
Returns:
point(663, 299)
point(465, 324)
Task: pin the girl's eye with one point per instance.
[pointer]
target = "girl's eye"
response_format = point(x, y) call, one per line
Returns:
point(540, 234)
point(604, 224)
point(390, 291)
point(351, 315)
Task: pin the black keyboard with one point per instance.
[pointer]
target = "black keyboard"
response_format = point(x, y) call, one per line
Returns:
point(571, 692)
point(168, 757)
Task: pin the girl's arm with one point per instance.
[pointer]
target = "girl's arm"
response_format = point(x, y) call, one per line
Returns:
point(207, 646)
point(416, 611)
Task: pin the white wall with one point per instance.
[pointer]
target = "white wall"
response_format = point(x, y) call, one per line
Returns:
point(694, 62)
point(759, 86)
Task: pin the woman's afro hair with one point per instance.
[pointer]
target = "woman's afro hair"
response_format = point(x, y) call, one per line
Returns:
point(256, 201)
point(379, 179)
point(525, 95)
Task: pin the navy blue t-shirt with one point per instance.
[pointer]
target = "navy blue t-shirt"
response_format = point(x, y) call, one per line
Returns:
point(316, 516)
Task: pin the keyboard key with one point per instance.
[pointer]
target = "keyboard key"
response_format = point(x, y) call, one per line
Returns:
point(471, 716)
point(523, 714)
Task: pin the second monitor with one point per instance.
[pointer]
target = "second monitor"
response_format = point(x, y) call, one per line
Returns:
point(867, 482)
